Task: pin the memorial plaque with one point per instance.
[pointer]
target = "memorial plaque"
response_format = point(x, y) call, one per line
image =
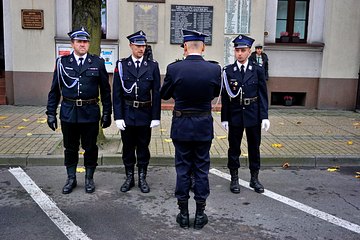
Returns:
point(237, 17)
point(229, 55)
point(146, 19)
point(199, 18)
point(32, 19)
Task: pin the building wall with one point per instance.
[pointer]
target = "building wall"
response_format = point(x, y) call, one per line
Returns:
point(29, 53)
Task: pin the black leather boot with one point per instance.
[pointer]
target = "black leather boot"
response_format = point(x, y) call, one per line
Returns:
point(71, 180)
point(234, 184)
point(89, 180)
point(255, 183)
point(183, 217)
point(130, 181)
point(201, 218)
point(144, 187)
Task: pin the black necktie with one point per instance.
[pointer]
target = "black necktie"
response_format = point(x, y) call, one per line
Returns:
point(80, 63)
point(137, 65)
point(242, 72)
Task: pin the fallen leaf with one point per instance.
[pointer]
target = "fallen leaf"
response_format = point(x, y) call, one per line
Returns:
point(41, 120)
point(168, 140)
point(350, 142)
point(333, 169)
point(354, 124)
point(80, 169)
point(26, 119)
point(277, 145)
point(221, 137)
point(21, 127)
point(29, 134)
point(358, 173)
point(6, 126)
point(357, 176)
point(286, 165)
point(3, 117)
point(298, 122)
point(281, 123)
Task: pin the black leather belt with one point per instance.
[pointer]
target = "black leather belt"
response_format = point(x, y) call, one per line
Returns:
point(138, 104)
point(80, 102)
point(248, 101)
point(177, 113)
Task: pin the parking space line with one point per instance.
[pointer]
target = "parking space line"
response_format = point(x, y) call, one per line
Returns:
point(70, 230)
point(292, 203)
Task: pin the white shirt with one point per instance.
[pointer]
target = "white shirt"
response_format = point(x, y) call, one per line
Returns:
point(135, 59)
point(245, 65)
point(77, 58)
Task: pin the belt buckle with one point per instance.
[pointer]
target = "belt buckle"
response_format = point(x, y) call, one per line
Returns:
point(78, 102)
point(247, 101)
point(136, 104)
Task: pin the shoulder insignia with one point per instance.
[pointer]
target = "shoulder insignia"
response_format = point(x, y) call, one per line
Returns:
point(122, 59)
point(212, 61)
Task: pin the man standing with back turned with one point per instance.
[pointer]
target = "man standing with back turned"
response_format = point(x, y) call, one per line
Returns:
point(244, 106)
point(78, 78)
point(193, 83)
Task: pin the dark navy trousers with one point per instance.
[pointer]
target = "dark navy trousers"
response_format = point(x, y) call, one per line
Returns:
point(253, 135)
point(192, 157)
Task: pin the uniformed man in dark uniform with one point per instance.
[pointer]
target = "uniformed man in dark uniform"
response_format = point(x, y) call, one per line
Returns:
point(137, 103)
point(244, 106)
point(77, 80)
point(193, 83)
point(261, 59)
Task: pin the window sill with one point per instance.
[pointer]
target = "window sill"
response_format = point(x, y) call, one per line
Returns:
point(313, 47)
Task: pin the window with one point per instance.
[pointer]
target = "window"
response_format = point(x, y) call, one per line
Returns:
point(292, 20)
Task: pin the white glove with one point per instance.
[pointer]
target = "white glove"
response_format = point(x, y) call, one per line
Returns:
point(120, 124)
point(225, 125)
point(154, 123)
point(265, 124)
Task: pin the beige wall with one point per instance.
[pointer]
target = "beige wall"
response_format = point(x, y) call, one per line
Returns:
point(163, 51)
point(31, 50)
point(341, 57)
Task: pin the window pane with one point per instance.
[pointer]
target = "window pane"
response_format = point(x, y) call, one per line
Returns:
point(282, 10)
point(280, 27)
point(299, 26)
point(103, 19)
point(300, 10)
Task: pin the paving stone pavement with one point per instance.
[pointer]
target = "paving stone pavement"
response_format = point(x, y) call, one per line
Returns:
point(297, 136)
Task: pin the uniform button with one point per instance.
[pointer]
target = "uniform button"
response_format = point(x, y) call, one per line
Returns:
point(244, 108)
point(80, 84)
point(80, 92)
point(137, 79)
point(79, 76)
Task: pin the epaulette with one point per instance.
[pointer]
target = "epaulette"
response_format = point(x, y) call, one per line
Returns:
point(213, 61)
point(176, 61)
point(154, 61)
point(122, 59)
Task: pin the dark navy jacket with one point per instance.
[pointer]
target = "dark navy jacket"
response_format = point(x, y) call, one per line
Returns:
point(254, 85)
point(193, 83)
point(148, 89)
point(93, 76)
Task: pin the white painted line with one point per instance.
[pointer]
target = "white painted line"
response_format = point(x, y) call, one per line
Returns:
point(292, 203)
point(70, 230)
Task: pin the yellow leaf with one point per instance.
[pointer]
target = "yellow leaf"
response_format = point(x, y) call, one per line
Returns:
point(3, 117)
point(29, 134)
point(355, 123)
point(41, 120)
point(350, 142)
point(357, 176)
point(26, 119)
point(80, 169)
point(277, 145)
point(168, 140)
point(21, 127)
point(333, 169)
point(221, 137)
point(6, 126)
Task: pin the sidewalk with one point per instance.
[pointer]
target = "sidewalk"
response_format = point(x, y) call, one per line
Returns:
point(298, 137)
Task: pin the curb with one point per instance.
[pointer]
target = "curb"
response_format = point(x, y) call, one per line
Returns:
point(108, 159)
